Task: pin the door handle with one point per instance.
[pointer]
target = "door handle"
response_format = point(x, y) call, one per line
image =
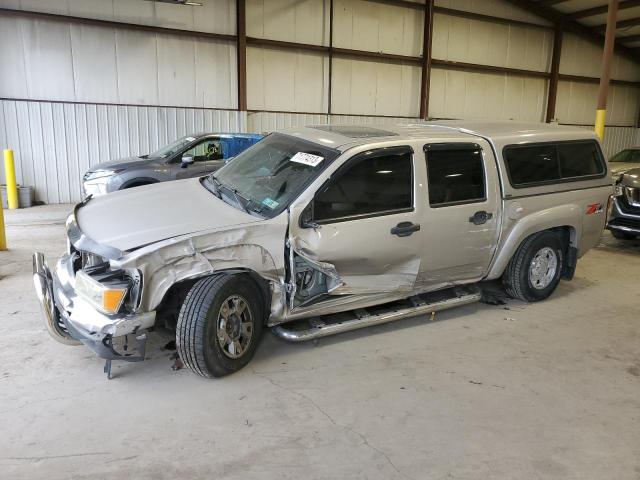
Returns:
point(404, 229)
point(480, 217)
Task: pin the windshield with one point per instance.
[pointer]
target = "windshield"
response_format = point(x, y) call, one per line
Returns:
point(273, 172)
point(626, 156)
point(172, 148)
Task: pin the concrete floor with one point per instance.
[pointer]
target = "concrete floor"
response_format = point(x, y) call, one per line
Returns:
point(548, 390)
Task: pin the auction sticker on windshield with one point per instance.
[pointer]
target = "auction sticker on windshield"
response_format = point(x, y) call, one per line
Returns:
point(307, 159)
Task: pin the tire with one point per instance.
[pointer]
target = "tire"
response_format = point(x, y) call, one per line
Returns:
point(622, 235)
point(198, 339)
point(531, 282)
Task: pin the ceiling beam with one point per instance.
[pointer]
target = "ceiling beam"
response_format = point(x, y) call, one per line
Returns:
point(568, 24)
point(550, 2)
point(629, 22)
point(602, 9)
point(629, 38)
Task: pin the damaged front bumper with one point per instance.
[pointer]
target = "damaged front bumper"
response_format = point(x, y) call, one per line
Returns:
point(69, 317)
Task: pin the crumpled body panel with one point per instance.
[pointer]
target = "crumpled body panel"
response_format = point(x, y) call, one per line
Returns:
point(258, 247)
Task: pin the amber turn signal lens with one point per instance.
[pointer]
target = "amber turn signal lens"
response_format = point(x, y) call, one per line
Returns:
point(111, 300)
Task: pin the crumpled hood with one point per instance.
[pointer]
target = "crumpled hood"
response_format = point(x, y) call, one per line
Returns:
point(139, 216)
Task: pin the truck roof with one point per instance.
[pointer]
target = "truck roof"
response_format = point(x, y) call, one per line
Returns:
point(343, 137)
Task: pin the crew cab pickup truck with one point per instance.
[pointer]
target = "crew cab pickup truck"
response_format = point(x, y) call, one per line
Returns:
point(319, 230)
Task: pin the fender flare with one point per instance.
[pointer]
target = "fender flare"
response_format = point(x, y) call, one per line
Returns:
point(569, 215)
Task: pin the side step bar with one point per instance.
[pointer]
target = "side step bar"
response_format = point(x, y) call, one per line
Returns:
point(318, 328)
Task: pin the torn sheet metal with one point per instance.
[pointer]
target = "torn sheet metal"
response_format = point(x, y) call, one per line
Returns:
point(257, 247)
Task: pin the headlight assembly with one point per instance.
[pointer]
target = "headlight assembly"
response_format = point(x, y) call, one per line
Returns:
point(105, 297)
point(102, 174)
point(618, 190)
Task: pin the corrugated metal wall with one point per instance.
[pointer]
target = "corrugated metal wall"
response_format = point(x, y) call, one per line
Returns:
point(86, 66)
point(618, 138)
point(55, 143)
point(53, 60)
point(270, 121)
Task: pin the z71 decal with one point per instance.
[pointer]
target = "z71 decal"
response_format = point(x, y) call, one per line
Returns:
point(595, 208)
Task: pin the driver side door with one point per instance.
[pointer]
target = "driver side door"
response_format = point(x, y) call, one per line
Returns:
point(199, 166)
point(363, 222)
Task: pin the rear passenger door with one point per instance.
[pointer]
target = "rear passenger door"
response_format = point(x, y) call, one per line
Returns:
point(461, 218)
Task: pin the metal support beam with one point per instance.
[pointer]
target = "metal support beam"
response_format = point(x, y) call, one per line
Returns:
point(241, 47)
point(607, 54)
point(330, 82)
point(570, 25)
point(555, 74)
point(427, 33)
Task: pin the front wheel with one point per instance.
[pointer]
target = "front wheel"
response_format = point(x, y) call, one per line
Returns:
point(534, 271)
point(219, 325)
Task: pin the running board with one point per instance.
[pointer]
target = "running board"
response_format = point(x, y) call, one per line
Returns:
point(361, 318)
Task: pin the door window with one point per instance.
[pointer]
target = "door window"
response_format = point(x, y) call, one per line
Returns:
point(455, 174)
point(376, 182)
point(209, 149)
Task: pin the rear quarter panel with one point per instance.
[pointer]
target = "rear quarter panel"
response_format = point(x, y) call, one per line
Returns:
point(525, 216)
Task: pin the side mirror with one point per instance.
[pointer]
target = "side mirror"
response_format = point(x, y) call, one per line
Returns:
point(187, 160)
point(306, 218)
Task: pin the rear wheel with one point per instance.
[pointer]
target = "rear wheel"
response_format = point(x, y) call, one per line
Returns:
point(219, 325)
point(534, 271)
point(622, 235)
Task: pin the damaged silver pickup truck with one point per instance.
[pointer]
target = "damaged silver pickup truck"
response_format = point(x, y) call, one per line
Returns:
point(319, 230)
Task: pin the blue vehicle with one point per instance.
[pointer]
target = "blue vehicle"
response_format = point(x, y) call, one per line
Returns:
point(193, 155)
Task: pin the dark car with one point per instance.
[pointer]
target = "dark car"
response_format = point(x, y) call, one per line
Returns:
point(624, 207)
point(190, 156)
point(624, 160)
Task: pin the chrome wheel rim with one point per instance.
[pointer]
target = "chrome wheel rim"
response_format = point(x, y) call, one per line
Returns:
point(542, 270)
point(234, 326)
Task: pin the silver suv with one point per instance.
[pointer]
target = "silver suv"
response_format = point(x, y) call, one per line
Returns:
point(193, 155)
point(319, 230)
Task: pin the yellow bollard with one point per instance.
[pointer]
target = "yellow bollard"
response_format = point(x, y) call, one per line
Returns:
point(10, 177)
point(3, 235)
point(600, 121)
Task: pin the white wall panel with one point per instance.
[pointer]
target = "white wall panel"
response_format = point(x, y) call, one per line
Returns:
point(48, 59)
point(576, 103)
point(497, 8)
point(487, 43)
point(95, 70)
point(214, 16)
point(364, 25)
point(291, 80)
point(82, 63)
point(11, 54)
point(137, 66)
point(55, 143)
point(581, 57)
point(458, 94)
point(371, 88)
point(301, 21)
